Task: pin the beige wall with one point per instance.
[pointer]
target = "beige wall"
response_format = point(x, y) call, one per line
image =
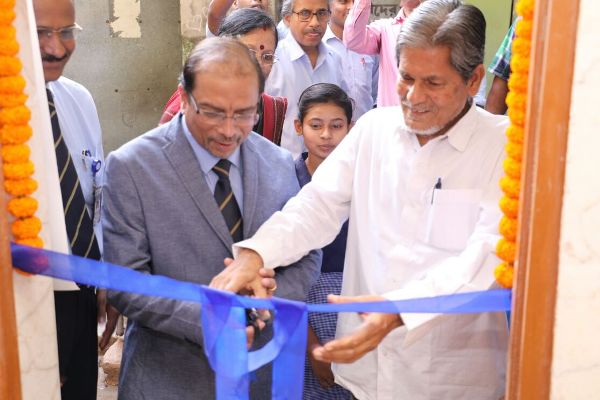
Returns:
point(576, 357)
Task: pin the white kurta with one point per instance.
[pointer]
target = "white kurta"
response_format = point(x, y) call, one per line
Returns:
point(405, 241)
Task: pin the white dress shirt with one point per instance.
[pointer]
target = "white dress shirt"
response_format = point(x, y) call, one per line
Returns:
point(407, 240)
point(292, 74)
point(80, 127)
point(359, 70)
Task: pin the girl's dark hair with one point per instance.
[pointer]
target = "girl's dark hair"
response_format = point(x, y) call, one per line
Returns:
point(320, 93)
point(244, 20)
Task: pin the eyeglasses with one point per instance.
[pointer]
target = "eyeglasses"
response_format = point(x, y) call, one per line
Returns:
point(65, 34)
point(245, 119)
point(265, 58)
point(305, 15)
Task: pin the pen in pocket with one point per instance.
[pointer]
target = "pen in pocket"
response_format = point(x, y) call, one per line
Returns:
point(438, 185)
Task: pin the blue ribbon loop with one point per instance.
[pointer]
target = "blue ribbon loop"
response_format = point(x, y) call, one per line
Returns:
point(223, 316)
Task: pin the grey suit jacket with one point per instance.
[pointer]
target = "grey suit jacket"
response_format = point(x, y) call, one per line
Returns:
point(161, 218)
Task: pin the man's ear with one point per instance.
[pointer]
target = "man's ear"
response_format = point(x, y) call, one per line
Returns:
point(474, 81)
point(185, 100)
point(298, 127)
point(286, 19)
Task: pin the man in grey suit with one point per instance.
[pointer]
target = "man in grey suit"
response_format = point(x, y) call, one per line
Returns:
point(175, 200)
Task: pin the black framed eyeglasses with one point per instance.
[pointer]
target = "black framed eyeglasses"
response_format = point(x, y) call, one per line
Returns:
point(65, 33)
point(305, 15)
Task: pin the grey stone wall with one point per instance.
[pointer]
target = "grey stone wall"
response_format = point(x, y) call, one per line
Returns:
point(129, 57)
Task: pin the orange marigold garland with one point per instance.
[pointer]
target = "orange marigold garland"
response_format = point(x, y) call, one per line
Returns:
point(14, 134)
point(517, 106)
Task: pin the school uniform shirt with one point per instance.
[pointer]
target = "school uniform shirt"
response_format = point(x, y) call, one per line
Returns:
point(359, 70)
point(291, 74)
point(409, 238)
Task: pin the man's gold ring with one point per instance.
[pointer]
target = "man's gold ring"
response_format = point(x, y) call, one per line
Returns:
point(272, 289)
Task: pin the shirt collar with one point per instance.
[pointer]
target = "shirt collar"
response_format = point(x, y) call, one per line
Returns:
point(207, 161)
point(329, 35)
point(296, 52)
point(460, 134)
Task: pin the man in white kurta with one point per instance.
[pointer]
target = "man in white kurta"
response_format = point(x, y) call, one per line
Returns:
point(419, 184)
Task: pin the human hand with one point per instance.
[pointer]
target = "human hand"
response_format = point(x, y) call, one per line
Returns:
point(369, 334)
point(267, 277)
point(108, 314)
point(257, 319)
point(321, 371)
point(253, 331)
point(241, 275)
point(268, 280)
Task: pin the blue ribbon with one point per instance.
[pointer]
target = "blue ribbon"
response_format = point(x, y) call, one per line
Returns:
point(223, 317)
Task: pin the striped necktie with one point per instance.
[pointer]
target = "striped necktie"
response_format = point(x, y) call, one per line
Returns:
point(226, 200)
point(80, 227)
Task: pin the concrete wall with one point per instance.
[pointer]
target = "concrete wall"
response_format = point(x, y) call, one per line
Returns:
point(129, 57)
point(576, 356)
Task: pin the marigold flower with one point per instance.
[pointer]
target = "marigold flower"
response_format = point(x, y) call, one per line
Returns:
point(26, 228)
point(509, 206)
point(19, 115)
point(7, 31)
point(512, 168)
point(521, 46)
point(7, 4)
point(15, 134)
point(34, 242)
point(15, 153)
point(10, 66)
point(518, 82)
point(524, 28)
point(514, 150)
point(22, 207)
point(519, 63)
point(506, 250)
point(525, 9)
point(516, 115)
point(12, 84)
point(18, 171)
point(8, 47)
point(511, 187)
point(504, 275)
point(516, 101)
point(20, 187)
point(515, 133)
point(508, 228)
point(7, 16)
point(12, 100)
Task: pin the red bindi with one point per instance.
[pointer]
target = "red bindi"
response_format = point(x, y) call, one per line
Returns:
point(262, 47)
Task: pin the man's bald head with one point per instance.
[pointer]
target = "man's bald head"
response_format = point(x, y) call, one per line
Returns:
point(223, 54)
